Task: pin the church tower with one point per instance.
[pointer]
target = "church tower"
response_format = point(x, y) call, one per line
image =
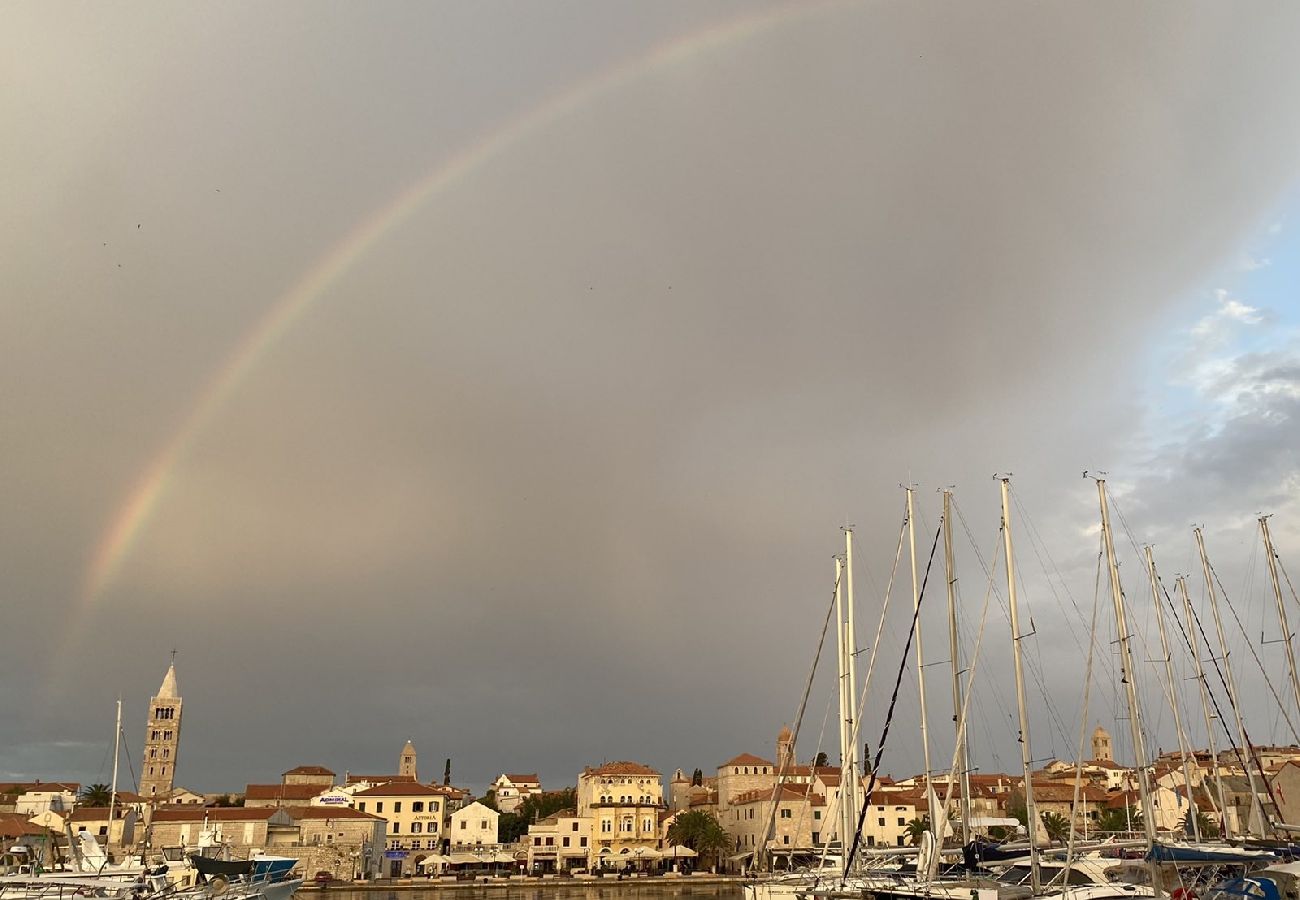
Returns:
point(162, 739)
point(1101, 746)
point(785, 750)
point(406, 765)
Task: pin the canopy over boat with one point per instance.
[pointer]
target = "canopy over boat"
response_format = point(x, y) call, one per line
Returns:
point(1208, 853)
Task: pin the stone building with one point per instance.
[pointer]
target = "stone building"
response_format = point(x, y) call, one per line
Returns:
point(406, 762)
point(162, 739)
point(317, 775)
point(622, 800)
point(1102, 748)
point(281, 794)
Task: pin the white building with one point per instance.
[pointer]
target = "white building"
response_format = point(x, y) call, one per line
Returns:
point(473, 826)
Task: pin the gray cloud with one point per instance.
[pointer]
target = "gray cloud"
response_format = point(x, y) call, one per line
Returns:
point(553, 474)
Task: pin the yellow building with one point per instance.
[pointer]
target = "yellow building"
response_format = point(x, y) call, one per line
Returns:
point(622, 800)
point(414, 813)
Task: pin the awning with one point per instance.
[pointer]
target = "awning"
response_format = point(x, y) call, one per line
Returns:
point(435, 859)
point(740, 856)
point(644, 853)
point(679, 851)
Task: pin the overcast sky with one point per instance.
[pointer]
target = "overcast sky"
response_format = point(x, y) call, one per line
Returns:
point(499, 376)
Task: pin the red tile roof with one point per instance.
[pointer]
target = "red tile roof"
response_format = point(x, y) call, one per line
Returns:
point(523, 779)
point(196, 813)
point(746, 759)
point(281, 791)
point(378, 779)
point(14, 825)
point(310, 770)
point(402, 789)
point(787, 793)
point(620, 767)
point(328, 812)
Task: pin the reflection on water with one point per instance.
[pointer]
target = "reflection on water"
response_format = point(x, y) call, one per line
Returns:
point(582, 891)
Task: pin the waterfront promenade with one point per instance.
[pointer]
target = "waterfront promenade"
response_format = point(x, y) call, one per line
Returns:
point(702, 887)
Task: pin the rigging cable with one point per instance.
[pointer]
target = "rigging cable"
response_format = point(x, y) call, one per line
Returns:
point(893, 702)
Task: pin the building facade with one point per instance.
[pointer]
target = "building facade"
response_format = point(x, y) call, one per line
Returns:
point(162, 740)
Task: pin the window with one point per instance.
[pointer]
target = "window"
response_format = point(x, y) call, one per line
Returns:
point(575, 826)
point(463, 824)
point(550, 842)
point(362, 806)
point(582, 841)
point(901, 821)
point(817, 837)
point(900, 840)
point(606, 826)
point(482, 824)
point(537, 842)
point(785, 838)
point(785, 813)
point(881, 821)
point(417, 806)
point(415, 828)
point(397, 807)
point(379, 807)
point(565, 842)
point(433, 826)
point(817, 814)
point(434, 806)
point(397, 827)
point(431, 844)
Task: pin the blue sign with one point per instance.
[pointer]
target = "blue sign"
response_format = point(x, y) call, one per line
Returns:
point(394, 854)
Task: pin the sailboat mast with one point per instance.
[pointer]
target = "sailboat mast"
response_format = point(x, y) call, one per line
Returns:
point(963, 748)
point(936, 827)
point(117, 746)
point(1255, 811)
point(849, 771)
point(845, 738)
point(1128, 672)
point(1169, 687)
point(1195, 643)
point(1026, 759)
point(1271, 554)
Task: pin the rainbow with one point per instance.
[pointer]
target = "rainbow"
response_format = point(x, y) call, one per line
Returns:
point(132, 517)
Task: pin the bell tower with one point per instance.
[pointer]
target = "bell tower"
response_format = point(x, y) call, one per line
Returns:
point(162, 739)
point(406, 764)
point(1101, 746)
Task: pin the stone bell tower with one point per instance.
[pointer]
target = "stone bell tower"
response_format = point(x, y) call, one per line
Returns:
point(162, 739)
point(406, 763)
point(1101, 745)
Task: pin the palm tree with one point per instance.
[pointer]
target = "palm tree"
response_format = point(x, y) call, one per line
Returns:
point(916, 828)
point(1056, 825)
point(95, 795)
point(701, 832)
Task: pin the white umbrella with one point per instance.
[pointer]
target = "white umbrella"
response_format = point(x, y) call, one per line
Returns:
point(679, 850)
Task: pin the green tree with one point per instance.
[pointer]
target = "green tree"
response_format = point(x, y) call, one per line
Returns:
point(916, 828)
point(1206, 823)
point(1016, 807)
point(490, 799)
point(820, 760)
point(1056, 825)
point(697, 779)
point(95, 795)
point(1120, 819)
point(701, 832)
point(446, 773)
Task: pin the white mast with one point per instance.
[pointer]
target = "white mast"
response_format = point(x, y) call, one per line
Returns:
point(1192, 638)
point(1255, 812)
point(849, 770)
point(1271, 554)
point(1129, 677)
point(954, 654)
point(936, 827)
point(117, 744)
point(1169, 691)
point(844, 827)
point(1026, 759)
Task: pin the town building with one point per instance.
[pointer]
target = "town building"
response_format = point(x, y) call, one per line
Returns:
point(162, 739)
point(511, 790)
point(414, 814)
point(317, 775)
point(622, 800)
point(281, 794)
point(563, 843)
point(473, 826)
